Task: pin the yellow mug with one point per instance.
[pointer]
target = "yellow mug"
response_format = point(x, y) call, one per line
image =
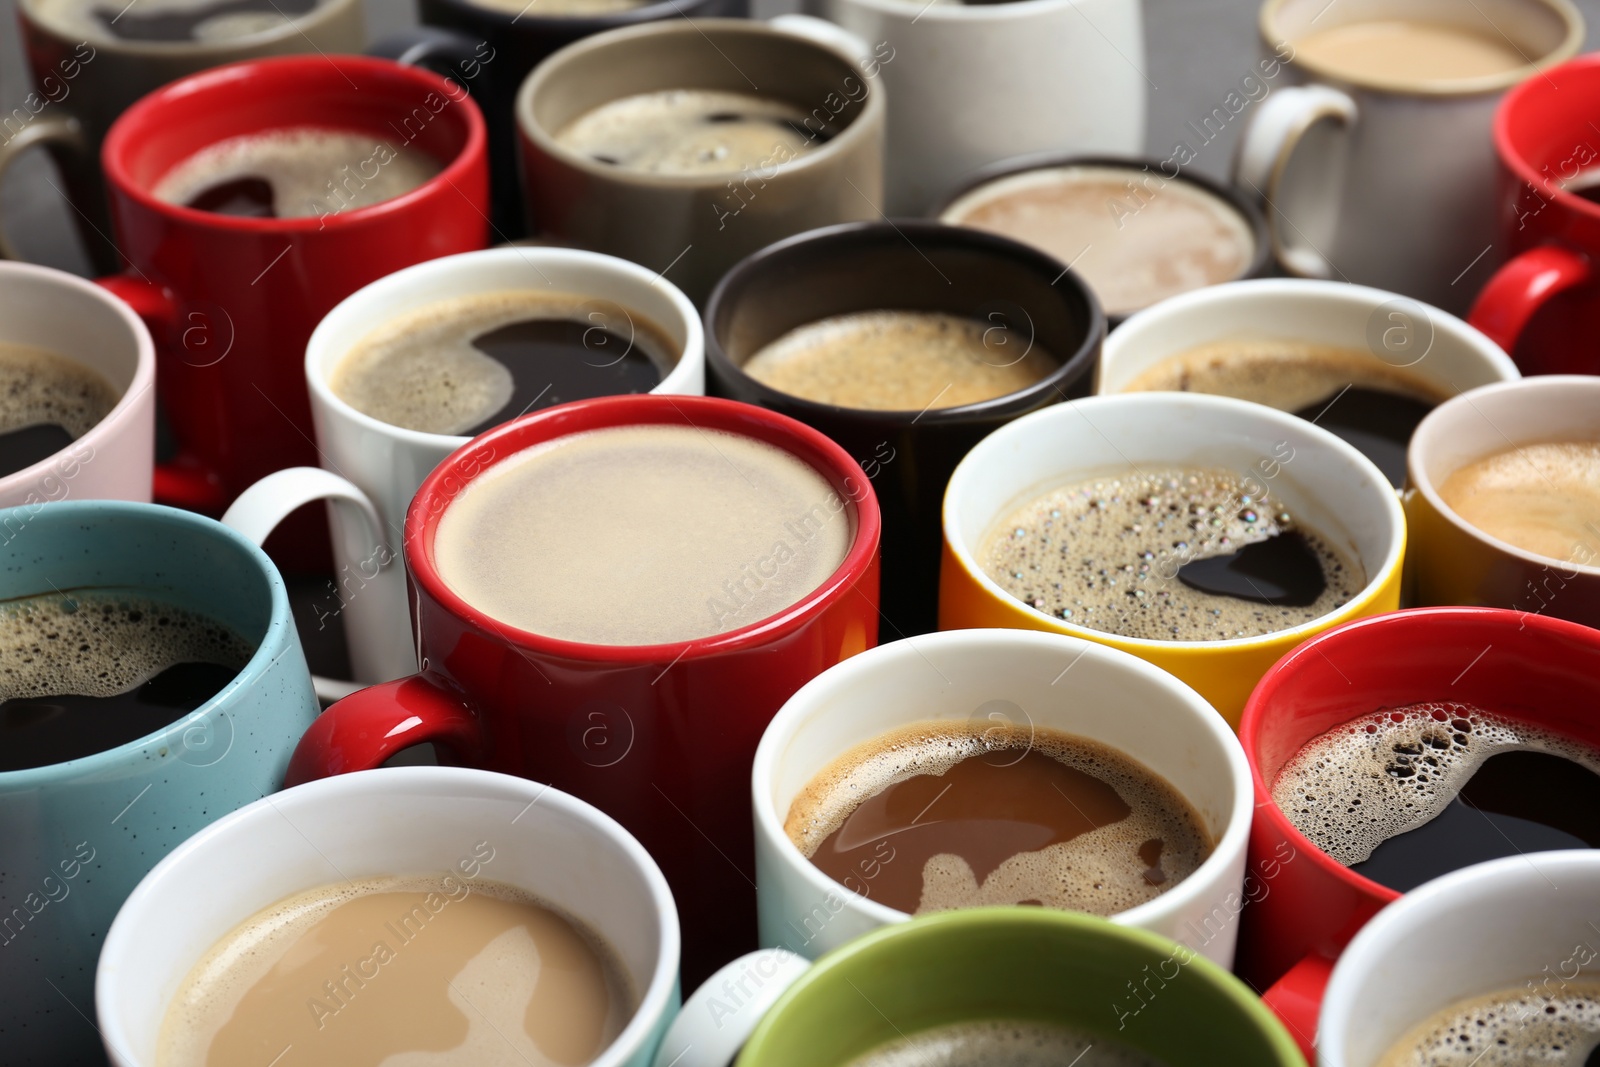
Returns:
point(1327, 485)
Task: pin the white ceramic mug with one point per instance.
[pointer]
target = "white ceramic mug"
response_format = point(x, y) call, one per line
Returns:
point(1518, 922)
point(391, 821)
point(971, 85)
point(1390, 182)
point(371, 469)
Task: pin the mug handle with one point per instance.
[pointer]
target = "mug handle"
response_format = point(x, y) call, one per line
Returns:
point(719, 1017)
point(364, 729)
point(825, 33)
point(63, 130)
point(1523, 286)
point(1296, 999)
point(1270, 142)
point(430, 47)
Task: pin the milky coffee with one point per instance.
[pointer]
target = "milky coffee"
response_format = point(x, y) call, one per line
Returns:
point(169, 22)
point(641, 535)
point(1533, 1024)
point(1004, 1043)
point(693, 131)
point(47, 401)
point(1410, 51)
point(1543, 497)
point(400, 972)
point(901, 361)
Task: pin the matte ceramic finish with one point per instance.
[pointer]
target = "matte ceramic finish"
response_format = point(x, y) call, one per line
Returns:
point(76, 837)
point(1324, 482)
point(658, 736)
point(972, 85)
point(1389, 184)
point(1048, 681)
point(1518, 922)
point(692, 228)
point(65, 314)
point(404, 820)
point(1452, 561)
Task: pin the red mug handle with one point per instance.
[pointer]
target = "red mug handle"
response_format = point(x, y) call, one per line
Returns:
point(185, 482)
point(1523, 286)
point(1296, 999)
point(367, 727)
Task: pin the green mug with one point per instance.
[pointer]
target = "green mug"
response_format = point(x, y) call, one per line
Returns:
point(1104, 982)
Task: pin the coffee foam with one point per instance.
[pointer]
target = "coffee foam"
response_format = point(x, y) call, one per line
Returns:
point(312, 171)
point(562, 8)
point(100, 644)
point(1003, 1043)
point(900, 361)
point(1544, 497)
point(1511, 1028)
point(1375, 777)
point(40, 386)
point(1280, 372)
point(672, 132)
point(1099, 872)
point(80, 19)
point(1135, 236)
point(1105, 554)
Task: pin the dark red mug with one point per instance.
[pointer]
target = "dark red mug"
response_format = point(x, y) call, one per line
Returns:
point(1528, 667)
point(660, 737)
point(232, 301)
point(1543, 305)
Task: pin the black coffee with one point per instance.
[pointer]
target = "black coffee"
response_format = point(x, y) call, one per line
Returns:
point(240, 16)
point(46, 402)
point(20, 449)
point(1377, 422)
point(244, 197)
point(1283, 570)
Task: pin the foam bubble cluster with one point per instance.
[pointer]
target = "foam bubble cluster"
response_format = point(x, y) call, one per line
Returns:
point(1004, 1043)
point(1512, 1028)
point(38, 386)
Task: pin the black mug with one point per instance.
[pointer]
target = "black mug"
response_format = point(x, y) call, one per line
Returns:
point(905, 265)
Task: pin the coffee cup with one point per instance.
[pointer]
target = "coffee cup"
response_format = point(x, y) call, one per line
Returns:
point(1534, 671)
point(81, 832)
point(806, 148)
point(1367, 363)
point(49, 311)
point(1541, 304)
point(1522, 926)
point(91, 61)
point(371, 468)
point(473, 825)
point(1010, 299)
point(229, 298)
point(1376, 164)
point(1453, 561)
point(1276, 460)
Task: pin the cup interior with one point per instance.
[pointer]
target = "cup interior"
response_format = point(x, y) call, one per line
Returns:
point(61, 313)
point(412, 820)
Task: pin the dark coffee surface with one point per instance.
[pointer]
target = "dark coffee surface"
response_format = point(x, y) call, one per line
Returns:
point(1377, 422)
point(130, 24)
point(20, 449)
point(1280, 570)
point(553, 361)
point(249, 198)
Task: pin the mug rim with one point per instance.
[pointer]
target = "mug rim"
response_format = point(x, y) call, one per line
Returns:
point(1073, 367)
point(812, 699)
point(321, 360)
point(148, 110)
point(654, 999)
point(435, 496)
point(584, 25)
point(1570, 43)
point(1226, 409)
point(144, 366)
point(530, 131)
point(961, 12)
point(1422, 483)
point(325, 12)
point(1513, 159)
point(280, 623)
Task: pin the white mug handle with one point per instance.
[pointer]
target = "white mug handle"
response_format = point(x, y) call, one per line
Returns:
point(827, 34)
point(369, 615)
point(719, 1017)
point(1275, 132)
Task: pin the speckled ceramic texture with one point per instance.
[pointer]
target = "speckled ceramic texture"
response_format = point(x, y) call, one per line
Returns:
point(76, 837)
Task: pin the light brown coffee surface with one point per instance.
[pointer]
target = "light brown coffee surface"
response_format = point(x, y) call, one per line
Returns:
point(1547, 1021)
point(1405, 50)
point(1543, 498)
point(900, 361)
point(400, 972)
point(692, 131)
point(41, 386)
point(1004, 1043)
point(642, 535)
point(1133, 235)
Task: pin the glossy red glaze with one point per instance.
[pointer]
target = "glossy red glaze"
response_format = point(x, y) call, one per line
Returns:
point(232, 301)
point(1541, 670)
point(661, 737)
point(1543, 305)
point(1296, 999)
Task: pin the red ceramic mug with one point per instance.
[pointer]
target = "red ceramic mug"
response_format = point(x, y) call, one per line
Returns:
point(1526, 667)
point(1543, 305)
point(660, 737)
point(232, 301)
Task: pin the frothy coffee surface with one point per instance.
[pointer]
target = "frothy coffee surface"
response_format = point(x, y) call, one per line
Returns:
point(428, 370)
point(1004, 1043)
point(900, 361)
point(400, 972)
point(562, 8)
point(170, 21)
point(940, 815)
point(1406, 50)
point(1511, 1028)
point(295, 172)
point(41, 386)
point(642, 535)
point(1114, 554)
point(1543, 498)
point(1136, 238)
point(692, 131)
